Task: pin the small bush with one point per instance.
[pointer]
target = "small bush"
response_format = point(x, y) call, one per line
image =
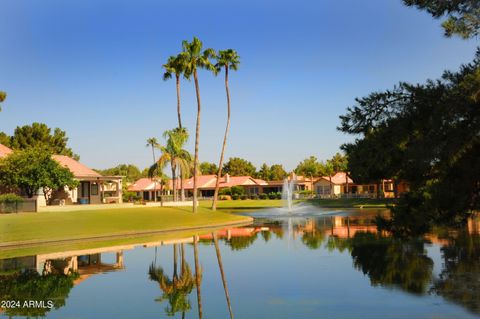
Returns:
point(263, 196)
point(254, 196)
point(237, 190)
point(243, 197)
point(10, 199)
point(235, 197)
point(278, 195)
point(272, 195)
point(225, 191)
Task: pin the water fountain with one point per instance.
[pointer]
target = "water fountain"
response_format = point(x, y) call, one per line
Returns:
point(287, 192)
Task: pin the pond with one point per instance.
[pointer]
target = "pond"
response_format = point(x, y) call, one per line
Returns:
point(319, 263)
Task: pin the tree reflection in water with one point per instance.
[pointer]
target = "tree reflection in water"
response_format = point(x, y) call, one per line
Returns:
point(459, 280)
point(175, 289)
point(26, 285)
point(392, 262)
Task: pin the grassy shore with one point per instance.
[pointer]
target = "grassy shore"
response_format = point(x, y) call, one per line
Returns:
point(244, 204)
point(60, 226)
point(353, 202)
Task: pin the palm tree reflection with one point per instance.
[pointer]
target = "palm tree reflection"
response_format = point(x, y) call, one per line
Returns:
point(175, 289)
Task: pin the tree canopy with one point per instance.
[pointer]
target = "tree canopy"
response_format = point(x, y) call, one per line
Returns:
point(425, 134)
point(462, 16)
point(130, 171)
point(207, 168)
point(310, 167)
point(34, 169)
point(39, 135)
point(239, 167)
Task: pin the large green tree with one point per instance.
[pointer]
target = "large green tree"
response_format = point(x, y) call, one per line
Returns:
point(462, 16)
point(40, 135)
point(130, 172)
point(34, 169)
point(277, 172)
point(227, 60)
point(239, 167)
point(196, 58)
point(207, 168)
point(310, 167)
point(427, 135)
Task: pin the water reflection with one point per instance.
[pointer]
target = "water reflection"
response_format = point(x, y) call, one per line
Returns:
point(459, 281)
point(175, 289)
point(451, 274)
point(47, 279)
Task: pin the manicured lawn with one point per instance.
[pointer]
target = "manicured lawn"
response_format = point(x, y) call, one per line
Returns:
point(244, 204)
point(87, 224)
point(353, 202)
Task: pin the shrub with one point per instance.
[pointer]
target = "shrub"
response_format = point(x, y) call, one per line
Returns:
point(278, 195)
point(237, 190)
point(272, 195)
point(263, 196)
point(10, 199)
point(243, 197)
point(225, 191)
point(254, 196)
point(235, 197)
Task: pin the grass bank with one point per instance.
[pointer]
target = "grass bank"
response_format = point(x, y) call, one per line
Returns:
point(31, 228)
point(353, 202)
point(244, 204)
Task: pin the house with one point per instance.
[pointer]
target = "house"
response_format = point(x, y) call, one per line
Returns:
point(144, 187)
point(343, 186)
point(332, 186)
point(93, 187)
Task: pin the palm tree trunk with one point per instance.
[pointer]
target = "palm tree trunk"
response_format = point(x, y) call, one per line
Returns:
point(154, 180)
point(220, 164)
point(197, 276)
point(175, 262)
point(182, 188)
point(177, 76)
point(311, 182)
point(224, 281)
point(174, 181)
point(197, 142)
point(330, 180)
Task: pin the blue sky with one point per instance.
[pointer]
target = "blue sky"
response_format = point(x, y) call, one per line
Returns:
point(93, 68)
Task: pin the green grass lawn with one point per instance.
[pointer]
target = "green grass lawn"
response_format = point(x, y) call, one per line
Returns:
point(244, 204)
point(45, 226)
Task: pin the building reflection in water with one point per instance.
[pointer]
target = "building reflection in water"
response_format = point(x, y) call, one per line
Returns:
point(387, 261)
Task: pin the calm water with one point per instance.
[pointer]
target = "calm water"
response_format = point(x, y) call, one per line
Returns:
point(314, 265)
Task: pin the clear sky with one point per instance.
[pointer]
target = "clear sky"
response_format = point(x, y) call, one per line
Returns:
point(94, 69)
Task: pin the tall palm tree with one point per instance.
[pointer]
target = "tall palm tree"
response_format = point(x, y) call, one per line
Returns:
point(195, 59)
point(224, 281)
point(152, 142)
point(175, 65)
point(3, 96)
point(176, 140)
point(226, 59)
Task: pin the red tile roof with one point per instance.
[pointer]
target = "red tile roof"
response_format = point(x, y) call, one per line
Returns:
point(338, 178)
point(4, 151)
point(204, 182)
point(78, 169)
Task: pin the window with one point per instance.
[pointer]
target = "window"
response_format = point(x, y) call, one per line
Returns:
point(323, 190)
point(94, 189)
